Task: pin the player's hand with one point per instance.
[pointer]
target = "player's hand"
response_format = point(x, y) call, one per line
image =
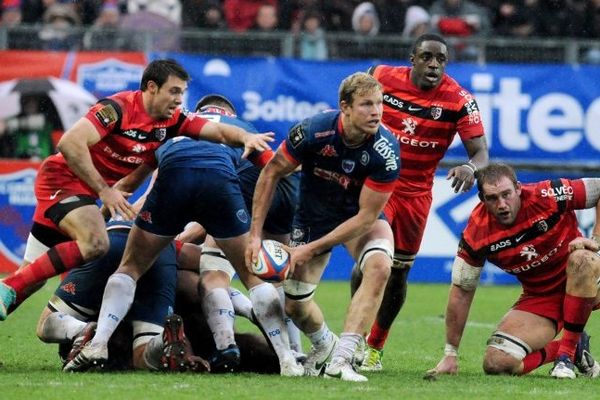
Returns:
point(447, 365)
point(462, 177)
point(582, 243)
point(116, 202)
point(257, 142)
point(299, 256)
point(252, 249)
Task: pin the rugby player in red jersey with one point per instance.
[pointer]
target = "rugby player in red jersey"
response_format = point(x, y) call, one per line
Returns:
point(529, 231)
point(424, 108)
point(99, 158)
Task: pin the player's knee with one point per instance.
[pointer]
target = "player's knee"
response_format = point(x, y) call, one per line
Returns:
point(95, 246)
point(504, 354)
point(497, 362)
point(582, 266)
point(377, 255)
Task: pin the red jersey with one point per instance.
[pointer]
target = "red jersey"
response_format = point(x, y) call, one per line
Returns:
point(129, 135)
point(425, 123)
point(535, 247)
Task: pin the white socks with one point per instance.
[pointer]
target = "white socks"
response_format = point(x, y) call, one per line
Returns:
point(347, 346)
point(293, 331)
point(267, 308)
point(321, 337)
point(241, 304)
point(117, 299)
point(61, 328)
point(218, 309)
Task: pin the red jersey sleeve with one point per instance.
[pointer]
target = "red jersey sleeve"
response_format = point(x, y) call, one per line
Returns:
point(568, 194)
point(192, 125)
point(105, 116)
point(469, 124)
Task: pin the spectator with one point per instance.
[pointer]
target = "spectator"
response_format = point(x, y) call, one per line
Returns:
point(208, 15)
point(241, 14)
point(59, 29)
point(365, 20)
point(313, 45)
point(266, 19)
point(31, 131)
point(11, 13)
point(105, 33)
point(459, 18)
point(513, 18)
point(159, 18)
point(416, 22)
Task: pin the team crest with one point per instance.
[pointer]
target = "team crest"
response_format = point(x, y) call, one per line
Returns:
point(348, 166)
point(436, 112)
point(529, 252)
point(364, 158)
point(242, 215)
point(107, 115)
point(160, 134)
point(542, 226)
point(296, 136)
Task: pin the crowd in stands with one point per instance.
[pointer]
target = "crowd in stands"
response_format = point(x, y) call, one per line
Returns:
point(309, 19)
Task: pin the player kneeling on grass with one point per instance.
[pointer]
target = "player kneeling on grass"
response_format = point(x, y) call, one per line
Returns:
point(529, 231)
point(69, 317)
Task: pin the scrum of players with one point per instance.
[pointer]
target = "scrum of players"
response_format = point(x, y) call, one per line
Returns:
point(151, 288)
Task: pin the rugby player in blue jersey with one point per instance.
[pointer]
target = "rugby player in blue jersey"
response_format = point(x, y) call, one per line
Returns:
point(196, 181)
point(350, 164)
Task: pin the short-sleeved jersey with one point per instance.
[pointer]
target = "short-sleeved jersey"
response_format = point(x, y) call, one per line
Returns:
point(425, 123)
point(333, 174)
point(535, 247)
point(129, 135)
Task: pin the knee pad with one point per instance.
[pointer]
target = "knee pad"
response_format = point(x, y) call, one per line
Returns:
point(34, 249)
point(299, 291)
point(373, 247)
point(213, 259)
point(403, 261)
point(143, 332)
point(74, 310)
point(509, 344)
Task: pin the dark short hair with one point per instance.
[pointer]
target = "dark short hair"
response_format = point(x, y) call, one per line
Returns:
point(214, 99)
point(492, 173)
point(159, 71)
point(427, 37)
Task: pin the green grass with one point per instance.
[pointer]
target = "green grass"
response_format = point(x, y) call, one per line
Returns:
point(31, 369)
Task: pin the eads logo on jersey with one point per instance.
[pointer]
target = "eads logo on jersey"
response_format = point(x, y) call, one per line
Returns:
point(17, 203)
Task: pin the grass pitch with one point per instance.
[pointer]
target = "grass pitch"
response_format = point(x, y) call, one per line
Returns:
point(31, 369)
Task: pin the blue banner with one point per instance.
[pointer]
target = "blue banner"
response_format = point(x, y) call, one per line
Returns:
point(531, 112)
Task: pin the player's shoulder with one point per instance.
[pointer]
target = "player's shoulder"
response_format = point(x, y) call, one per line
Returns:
point(453, 89)
point(325, 121)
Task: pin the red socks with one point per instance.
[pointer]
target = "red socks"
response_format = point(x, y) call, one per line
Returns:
point(377, 337)
point(576, 311)
point(541, 357)
point(60, 258)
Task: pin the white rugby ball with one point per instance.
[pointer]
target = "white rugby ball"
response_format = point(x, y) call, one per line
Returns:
point(273, 262)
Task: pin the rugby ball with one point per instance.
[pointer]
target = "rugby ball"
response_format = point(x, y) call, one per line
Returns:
point(273, 262)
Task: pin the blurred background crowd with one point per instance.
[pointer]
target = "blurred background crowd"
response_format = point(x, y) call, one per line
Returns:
point(310, 19)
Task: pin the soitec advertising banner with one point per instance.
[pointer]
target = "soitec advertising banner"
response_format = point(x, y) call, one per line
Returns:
point(541, 112)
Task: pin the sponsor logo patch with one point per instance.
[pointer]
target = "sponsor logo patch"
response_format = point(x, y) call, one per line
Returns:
point(296, 136)
point(107, 115)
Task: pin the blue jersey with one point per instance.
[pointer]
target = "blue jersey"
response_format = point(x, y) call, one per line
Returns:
point(333, 174)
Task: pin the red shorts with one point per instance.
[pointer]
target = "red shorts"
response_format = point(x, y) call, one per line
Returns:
point(408, 217)
point(54, 183)
point(549, 306)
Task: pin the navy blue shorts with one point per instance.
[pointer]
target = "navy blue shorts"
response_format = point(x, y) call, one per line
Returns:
point(154, 295)
point(211, 197)
point(285, 200)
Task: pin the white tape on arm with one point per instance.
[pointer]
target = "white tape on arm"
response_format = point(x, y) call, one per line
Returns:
point(465, 275)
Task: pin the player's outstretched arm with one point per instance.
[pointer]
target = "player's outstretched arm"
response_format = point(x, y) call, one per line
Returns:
point(464, 282)
point(237, 137)
point(278, 167)
point(74, 146)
